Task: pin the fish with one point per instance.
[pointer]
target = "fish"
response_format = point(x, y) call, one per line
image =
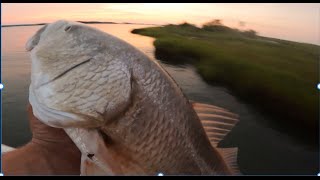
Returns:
point(121, 108)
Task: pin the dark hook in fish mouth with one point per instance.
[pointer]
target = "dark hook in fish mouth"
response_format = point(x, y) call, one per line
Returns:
point(68, 70)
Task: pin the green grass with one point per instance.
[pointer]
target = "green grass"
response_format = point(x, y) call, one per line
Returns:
point(277, 76)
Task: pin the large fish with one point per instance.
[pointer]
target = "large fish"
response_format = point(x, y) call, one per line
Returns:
point(122, 109)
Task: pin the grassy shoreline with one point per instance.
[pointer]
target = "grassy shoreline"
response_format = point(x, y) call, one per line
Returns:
point(279, 77)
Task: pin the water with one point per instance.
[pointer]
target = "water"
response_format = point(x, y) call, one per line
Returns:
point(263, 148)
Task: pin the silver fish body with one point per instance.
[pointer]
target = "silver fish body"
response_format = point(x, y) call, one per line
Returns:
point(122, 109)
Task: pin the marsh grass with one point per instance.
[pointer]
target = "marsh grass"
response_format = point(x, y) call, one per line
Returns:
point(279, 77)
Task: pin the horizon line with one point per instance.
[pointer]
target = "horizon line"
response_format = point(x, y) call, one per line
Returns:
point(84, 22)
point(112, 22)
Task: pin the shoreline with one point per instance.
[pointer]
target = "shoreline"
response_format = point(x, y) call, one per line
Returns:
point(84, 22)
point(276, 77)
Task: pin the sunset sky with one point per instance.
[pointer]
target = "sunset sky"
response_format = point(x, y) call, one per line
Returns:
point(296, 22)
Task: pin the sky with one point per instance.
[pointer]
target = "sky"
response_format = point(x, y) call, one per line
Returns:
point(291, 21)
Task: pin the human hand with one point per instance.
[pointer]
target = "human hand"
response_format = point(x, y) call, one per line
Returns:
point(50, 151)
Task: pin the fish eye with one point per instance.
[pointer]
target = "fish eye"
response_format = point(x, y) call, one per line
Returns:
point(67, 28)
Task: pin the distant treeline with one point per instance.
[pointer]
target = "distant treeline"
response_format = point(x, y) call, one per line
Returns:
point(216, 25)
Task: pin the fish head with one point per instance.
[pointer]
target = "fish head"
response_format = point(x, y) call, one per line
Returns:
point(58, 46)
point(80, 76)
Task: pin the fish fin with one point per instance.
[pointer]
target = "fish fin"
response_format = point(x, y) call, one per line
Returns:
point(230, 157)
point(216, 121)
point(88, 167)
point(96, 157)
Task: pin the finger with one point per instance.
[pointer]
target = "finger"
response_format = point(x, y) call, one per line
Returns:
point(42, 131)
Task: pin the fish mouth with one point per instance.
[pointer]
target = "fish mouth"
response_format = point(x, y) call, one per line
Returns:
point(34, 40)
point(66, 71)
point(29, 45)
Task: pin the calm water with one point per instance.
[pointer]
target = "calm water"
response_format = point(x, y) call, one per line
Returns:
point(263, 149)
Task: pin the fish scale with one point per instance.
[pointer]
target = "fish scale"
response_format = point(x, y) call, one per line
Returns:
point(122, 107)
